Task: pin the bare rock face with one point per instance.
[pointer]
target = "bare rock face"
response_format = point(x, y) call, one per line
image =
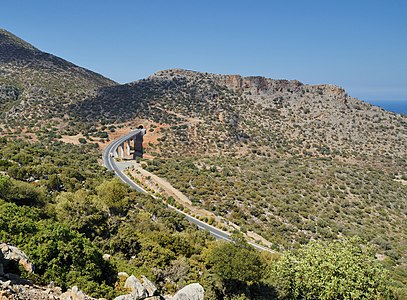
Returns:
point(14, 291)
point(192, 291)
point(18, 291)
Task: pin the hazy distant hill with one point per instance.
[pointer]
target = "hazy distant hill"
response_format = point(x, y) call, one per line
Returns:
point(36, 85)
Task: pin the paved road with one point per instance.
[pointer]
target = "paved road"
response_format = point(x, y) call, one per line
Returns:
point(109, 162)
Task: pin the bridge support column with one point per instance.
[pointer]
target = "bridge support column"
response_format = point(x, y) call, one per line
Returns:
point(121, 150)
point(127, 144)
point(138, 145)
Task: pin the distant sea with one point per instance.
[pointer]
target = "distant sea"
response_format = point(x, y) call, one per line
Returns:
point(399, 107)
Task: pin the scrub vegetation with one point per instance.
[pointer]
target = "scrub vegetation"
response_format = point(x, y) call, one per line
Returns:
point(316, 172)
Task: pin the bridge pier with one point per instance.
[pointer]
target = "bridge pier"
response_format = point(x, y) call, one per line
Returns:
point(121, 150)
point(138, 144)
point(127, 144)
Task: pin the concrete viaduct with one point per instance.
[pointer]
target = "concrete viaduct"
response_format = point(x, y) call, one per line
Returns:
point(123, 148)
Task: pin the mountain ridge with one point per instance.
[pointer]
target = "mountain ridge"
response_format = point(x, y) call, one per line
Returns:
point(320, 116)
point(45, 83)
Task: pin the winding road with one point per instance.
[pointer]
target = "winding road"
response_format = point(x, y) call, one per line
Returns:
point(110, 163)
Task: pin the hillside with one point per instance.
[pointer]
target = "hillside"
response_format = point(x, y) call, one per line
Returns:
point(36, 86)
point(243, 115)
point(294, 163)
point(290, 161)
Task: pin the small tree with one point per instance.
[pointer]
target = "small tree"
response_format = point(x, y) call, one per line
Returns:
point(238, 265)
point(114, 194)
point(83, 212)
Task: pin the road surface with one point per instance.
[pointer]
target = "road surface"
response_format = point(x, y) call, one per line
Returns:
point(110, 163)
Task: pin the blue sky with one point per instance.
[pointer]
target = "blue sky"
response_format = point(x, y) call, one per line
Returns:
point(360, 45)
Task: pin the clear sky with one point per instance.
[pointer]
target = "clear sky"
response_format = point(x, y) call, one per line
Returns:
point(360, 45)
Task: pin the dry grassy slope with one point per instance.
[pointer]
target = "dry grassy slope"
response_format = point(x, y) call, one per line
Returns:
point(35, 85)
point(253, 115)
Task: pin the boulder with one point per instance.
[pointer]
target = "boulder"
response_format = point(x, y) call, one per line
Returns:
point(106, 256)
point(138, 291)
point(150, 287)
point(192, 291)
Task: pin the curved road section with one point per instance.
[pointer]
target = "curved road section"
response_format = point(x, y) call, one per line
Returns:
point(110, 163)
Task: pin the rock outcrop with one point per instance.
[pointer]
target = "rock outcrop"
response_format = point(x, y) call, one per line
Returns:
point(19, 291)
point(145, 289)
point(138, 291)
point(12, 287)
point(10, 258)
point(149, 286)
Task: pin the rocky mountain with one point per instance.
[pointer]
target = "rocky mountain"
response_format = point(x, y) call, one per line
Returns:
point(212, 114)
point(200, 113)
point(35, 85)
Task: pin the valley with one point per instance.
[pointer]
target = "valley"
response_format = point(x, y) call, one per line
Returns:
point(300, 168)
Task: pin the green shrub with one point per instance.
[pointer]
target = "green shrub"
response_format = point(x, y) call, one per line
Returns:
point(331, 270)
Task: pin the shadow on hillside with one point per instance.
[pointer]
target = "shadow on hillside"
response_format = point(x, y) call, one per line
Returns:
point(122, 103)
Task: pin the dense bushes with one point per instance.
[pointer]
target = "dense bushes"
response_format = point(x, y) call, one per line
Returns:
point(59, 253)
point(83, 212)
point(21, 193)
point(236, 262)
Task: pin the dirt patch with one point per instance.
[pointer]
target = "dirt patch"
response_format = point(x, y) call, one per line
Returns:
point(71, 139)
point(403, 182)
